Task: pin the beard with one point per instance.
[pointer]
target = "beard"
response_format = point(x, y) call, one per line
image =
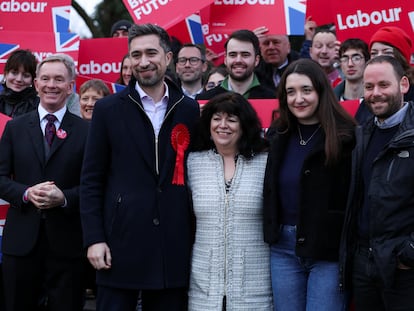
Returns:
point(394, 104)
point(241, 78)
point(151, 80)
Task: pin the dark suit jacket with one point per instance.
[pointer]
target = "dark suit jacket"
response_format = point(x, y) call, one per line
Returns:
point(128, 199)
point(23, 164)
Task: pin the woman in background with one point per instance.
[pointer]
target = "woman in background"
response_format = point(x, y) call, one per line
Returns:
point(214, 77)
point(18, 95)
point(126, 71)
point(89, 93)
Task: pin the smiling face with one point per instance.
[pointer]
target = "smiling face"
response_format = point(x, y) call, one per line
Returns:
point(187, 72)
point(383, 92)
point(87, 102)
point(240, 59)
point(149, 60)
point(225, 131)
point(53, 85)
point(18, 80)
point(126, 70)
point(302, 99)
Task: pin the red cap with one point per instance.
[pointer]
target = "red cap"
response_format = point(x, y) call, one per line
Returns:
point(395, 37)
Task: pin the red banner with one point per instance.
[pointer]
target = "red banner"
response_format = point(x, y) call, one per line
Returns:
point(113, 87)
point(280, 16)
point(42, 44)
point(360, 19)
point(35, 15)
point(165, 13)
point(265, 109)
point(101, 58)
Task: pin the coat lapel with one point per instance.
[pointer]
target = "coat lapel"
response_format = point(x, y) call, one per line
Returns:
point(137, 125)
point(66, 129)
point(36, 136)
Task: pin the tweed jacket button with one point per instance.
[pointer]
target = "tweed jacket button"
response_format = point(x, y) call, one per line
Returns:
point(156, 221)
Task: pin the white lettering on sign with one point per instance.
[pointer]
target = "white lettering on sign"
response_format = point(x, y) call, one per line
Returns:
point(363, 19)
point(411, 17)
point(95, 68)
point(243, 2)
point(215, 38)
point(146, 7)
point(41, 55)
point(25, 7)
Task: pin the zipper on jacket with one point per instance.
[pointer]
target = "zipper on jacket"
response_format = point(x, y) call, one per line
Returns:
point(156, 136)
point(390, 169)
point(156, 156)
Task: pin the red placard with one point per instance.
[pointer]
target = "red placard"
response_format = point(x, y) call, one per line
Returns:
point(101, 58)
point(280, 16)
point(113, 87)
point(42, 44)
point(351, 106)
point(165, 13)
point(35, 15)
point(360, 19)
point(265, 109)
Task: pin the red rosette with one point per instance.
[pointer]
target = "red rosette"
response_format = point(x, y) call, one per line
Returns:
point(180, 139)
point(61, 133)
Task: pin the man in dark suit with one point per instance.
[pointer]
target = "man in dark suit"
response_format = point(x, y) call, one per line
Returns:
point(135, 208)
point(40, 164)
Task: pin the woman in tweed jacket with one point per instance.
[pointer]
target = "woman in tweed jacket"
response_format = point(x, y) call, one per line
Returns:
point(230, 262)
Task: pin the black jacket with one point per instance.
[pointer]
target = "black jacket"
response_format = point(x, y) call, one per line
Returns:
point(392, 202)
point(14, 103)
point(322, 199)
point(128, 198)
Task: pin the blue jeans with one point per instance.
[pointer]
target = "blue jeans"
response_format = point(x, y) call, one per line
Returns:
point(303, 284)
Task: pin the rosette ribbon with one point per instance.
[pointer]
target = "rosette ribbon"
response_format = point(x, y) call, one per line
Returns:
point(180, 139)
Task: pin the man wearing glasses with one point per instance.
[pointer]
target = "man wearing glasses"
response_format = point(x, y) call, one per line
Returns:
point(353, 54)
point(190, 67)
point(242, 55)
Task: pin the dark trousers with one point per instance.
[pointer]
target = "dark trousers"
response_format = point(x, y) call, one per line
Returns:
point(115, 299)
point(41, 276)
point(370, 294)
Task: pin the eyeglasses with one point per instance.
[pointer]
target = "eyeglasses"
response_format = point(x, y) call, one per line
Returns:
point(356, 59)
point(193, 61)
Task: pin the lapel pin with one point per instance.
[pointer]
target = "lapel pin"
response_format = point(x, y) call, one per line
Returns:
point(61, 133)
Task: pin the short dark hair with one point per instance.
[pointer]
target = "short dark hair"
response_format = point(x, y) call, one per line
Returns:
point(23, 58)
point(396, 65)
point(251, 140)
point(323, 29)
point(191, 45)
point(150, 29)
point(245, 35)
point(357, 44)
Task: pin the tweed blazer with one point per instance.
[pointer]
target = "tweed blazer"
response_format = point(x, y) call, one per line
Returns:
point(230, 257)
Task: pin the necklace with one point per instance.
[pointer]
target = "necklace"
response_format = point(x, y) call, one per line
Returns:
point(303, 142)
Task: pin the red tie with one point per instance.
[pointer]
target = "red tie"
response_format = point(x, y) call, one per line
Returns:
point(50, 129)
